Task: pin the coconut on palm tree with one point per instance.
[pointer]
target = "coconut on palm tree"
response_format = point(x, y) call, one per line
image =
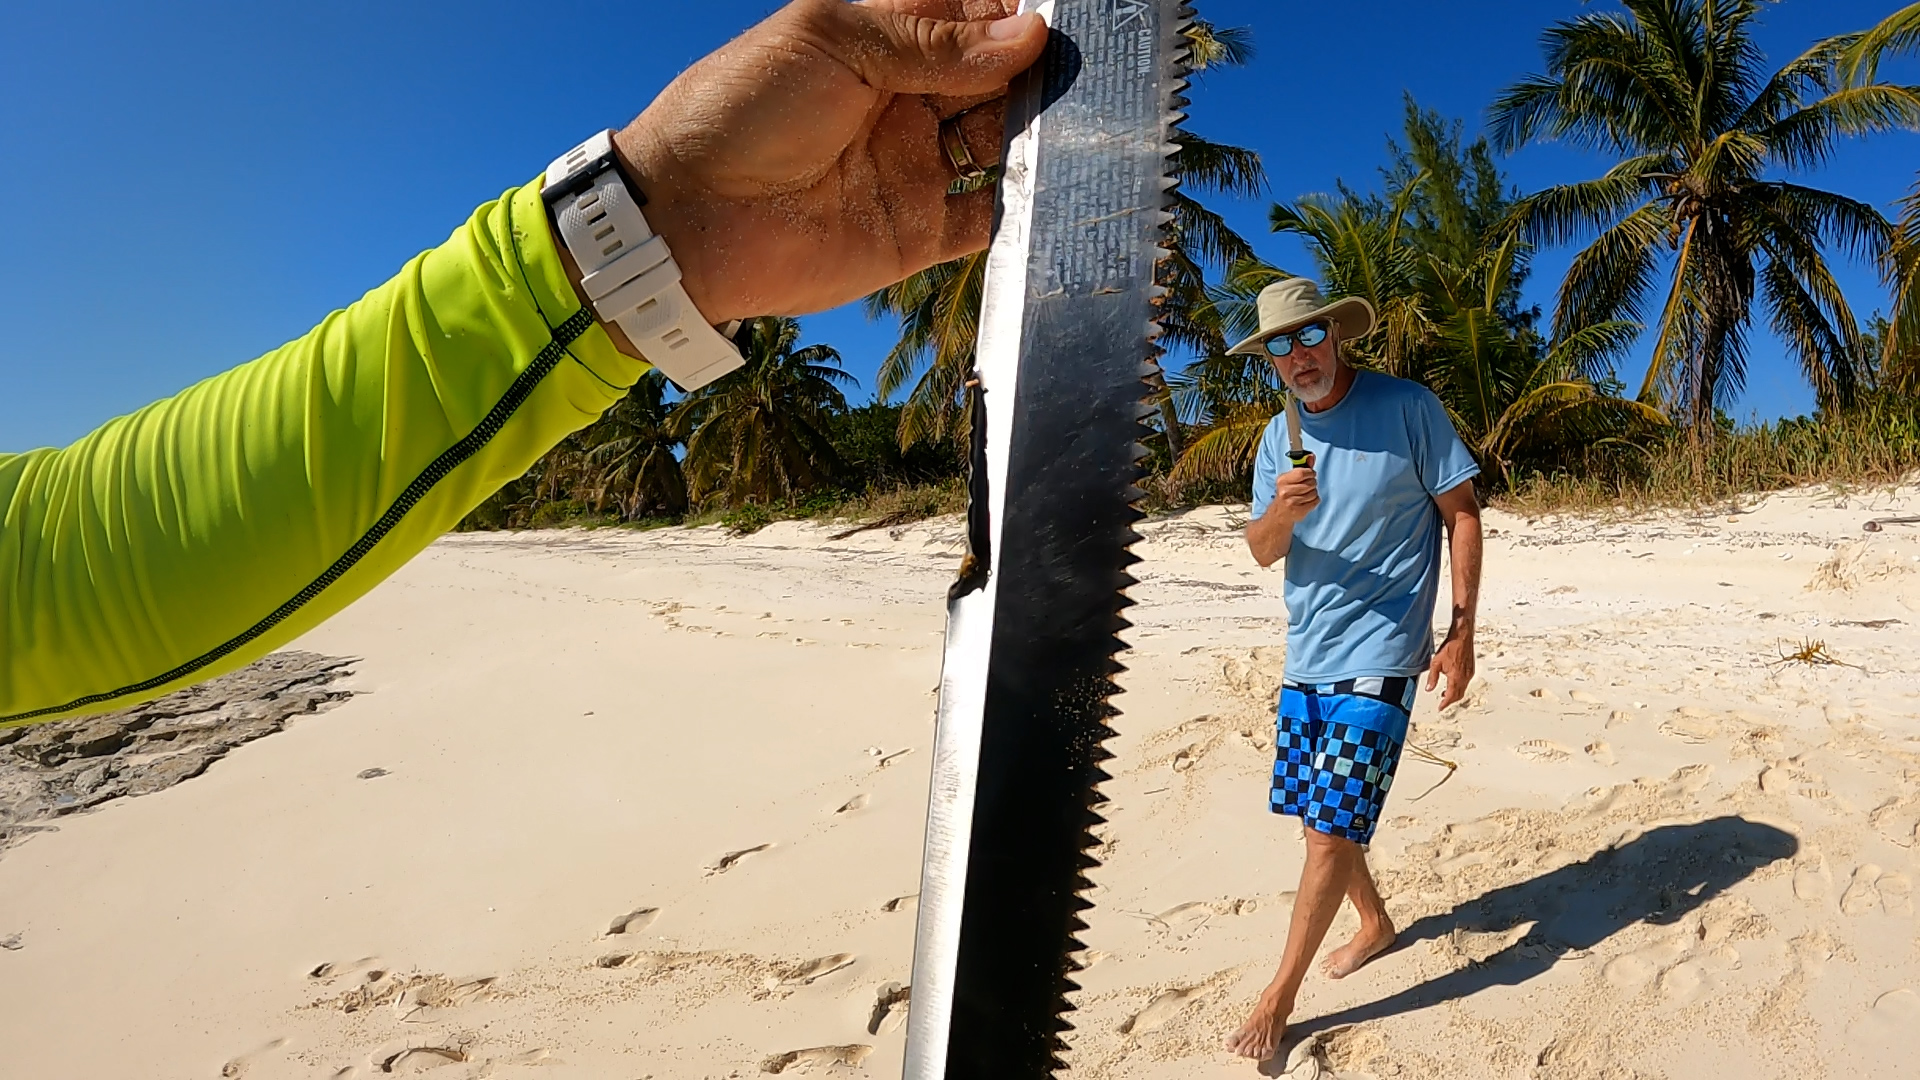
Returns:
point(759, 434)
point(1678, 90)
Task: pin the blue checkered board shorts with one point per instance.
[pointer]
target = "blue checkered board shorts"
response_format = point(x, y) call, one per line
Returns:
point(1335, 751)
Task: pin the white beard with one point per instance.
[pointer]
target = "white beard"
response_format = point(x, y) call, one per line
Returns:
point(1317, 391)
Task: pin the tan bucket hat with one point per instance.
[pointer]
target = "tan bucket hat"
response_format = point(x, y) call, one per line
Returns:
point(1295, 302)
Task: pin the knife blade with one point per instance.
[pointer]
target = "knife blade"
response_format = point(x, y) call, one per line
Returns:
point(1296, 449)
point(1059, 406)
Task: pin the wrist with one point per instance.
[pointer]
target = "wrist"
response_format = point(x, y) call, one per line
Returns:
point(679, 217)
point(623, 266)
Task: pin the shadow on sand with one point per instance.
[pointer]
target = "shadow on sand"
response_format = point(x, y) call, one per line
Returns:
point(1656, 878)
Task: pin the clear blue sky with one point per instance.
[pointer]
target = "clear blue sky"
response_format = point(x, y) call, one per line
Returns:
point(194, 183)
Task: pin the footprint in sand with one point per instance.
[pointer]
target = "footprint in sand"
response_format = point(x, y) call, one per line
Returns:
point(732, 858)
point(1600, 752)
point(1687, 980)
point(1776, 780)
point(243, 1064)
point(634, 921)
point(1863, 893)
point(1631, 971)
point(889, 1008)
point(1812, 881)
point(1896, 894)
point(324, 972)
point(810, 971)
point(1165, 1006)
point(824, 1056)
point(1618, 718)
point(1543, 694)
point(1690, 725)
point(1687, 780)
point(1898, 820)
point(858, 802)
point(437, 992)
point(910, 902)
point(1585, 698)
point(1543, 750)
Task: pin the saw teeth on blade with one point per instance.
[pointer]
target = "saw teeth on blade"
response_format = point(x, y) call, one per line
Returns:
point(1176, 103)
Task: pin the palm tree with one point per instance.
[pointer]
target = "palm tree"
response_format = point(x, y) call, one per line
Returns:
point(759, 434)
point(1860, 64)
point(1449, 317)
point(939, 308)
point(939, 312)
point(1228, 398)
point(1514, 401)
point(1676, 89)
point(1902, 340)
point(631, 452)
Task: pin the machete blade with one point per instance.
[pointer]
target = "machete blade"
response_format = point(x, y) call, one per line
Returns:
point(1060, 401)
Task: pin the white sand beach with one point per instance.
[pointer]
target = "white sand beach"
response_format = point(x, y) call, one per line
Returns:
point(648, 806)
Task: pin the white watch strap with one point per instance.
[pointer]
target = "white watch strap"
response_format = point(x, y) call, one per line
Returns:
point(626, 271)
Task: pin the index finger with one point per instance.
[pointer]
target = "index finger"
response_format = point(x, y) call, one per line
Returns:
point(948, 9)
point(895, 51)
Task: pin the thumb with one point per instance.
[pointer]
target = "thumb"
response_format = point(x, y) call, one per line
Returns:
point(907, 54)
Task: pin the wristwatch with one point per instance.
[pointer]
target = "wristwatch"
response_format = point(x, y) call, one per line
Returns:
point(627, 273)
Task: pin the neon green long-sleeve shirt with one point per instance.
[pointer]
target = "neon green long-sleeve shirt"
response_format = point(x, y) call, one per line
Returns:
point(205, 530)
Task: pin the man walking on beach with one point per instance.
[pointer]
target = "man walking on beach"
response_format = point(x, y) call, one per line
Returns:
point(1359, 518)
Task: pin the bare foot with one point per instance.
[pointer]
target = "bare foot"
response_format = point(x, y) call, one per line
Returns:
point(1354, 955)
point(1259, 1038)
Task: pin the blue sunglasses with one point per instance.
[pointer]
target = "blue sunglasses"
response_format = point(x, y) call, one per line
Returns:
point(1309, 335)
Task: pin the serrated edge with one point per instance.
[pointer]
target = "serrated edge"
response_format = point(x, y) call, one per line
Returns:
point(1176, 53)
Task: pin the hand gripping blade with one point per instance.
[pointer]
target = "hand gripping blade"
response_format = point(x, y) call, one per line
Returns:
point(1059, 404)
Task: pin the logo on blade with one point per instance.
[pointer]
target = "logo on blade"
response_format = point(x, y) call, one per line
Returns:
point(1134, 14)
point(1126, 11)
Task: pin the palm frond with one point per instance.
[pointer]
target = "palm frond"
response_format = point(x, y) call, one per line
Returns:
point(1896, 34)
point(1825, 352)
point(1227, 449)
point(1806, 76)
point(1218, 46)
point(1201, 164)
point(1611, 278)
point(1806, 138)
point(1553, 419)
point(1902, 263)
point(1803, 220)
point(1568, 212)
point(1591, 352)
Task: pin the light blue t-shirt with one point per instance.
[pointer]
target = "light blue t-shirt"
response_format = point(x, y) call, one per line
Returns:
point(1363, 573)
